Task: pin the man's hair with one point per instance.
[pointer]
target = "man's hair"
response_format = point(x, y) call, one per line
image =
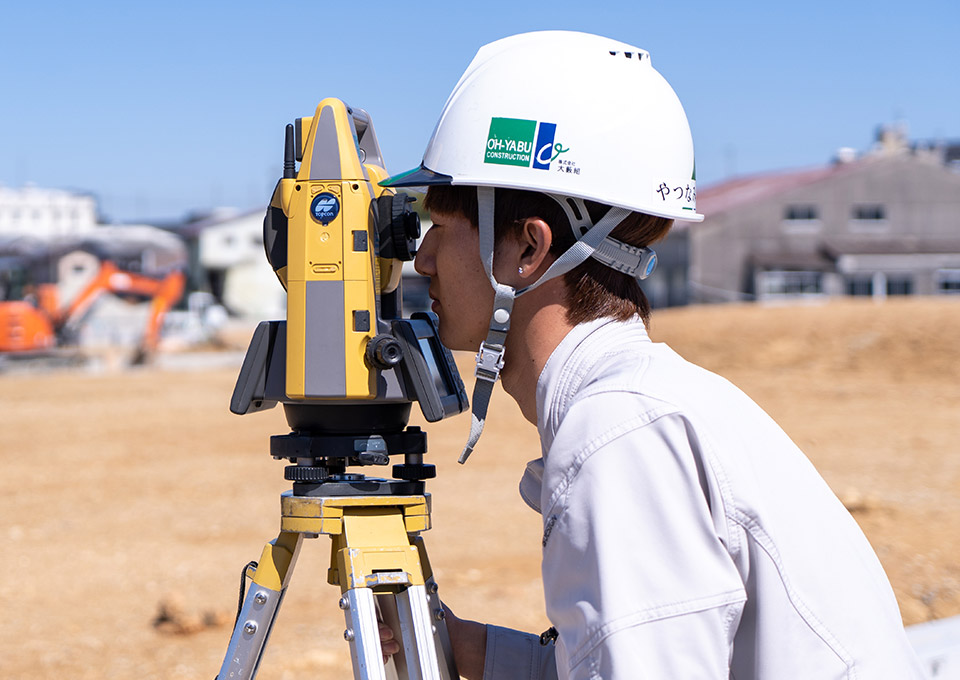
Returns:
point(594, 290)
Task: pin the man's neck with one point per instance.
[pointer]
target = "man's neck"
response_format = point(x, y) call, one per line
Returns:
point(539, 324)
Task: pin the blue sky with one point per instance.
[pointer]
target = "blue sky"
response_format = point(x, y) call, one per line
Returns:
point(160, 109)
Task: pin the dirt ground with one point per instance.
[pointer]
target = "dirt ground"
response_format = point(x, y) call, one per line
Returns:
point(124, 494)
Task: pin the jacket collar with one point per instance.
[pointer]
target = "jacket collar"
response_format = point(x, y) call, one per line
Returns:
point(570, 364)
point(563, 374)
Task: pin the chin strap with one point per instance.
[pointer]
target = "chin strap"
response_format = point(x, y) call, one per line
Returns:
point(490, 357)
point(593, 240)
point(489, 364)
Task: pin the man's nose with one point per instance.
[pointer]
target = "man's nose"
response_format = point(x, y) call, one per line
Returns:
point(423, 263)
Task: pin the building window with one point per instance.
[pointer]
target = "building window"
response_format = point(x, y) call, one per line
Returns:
point(868, 217)
point(779, 283)
point(801, 219)
point(948, 281)
point(880, 283)
point(801, 213)
point(860, 285)
point(869, 212)
point(899, 285)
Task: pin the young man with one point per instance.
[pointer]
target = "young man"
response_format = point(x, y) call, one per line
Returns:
point(685, 536)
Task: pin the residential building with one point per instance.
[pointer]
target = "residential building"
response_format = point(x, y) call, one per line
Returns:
point(46, 213)
point(886, 223)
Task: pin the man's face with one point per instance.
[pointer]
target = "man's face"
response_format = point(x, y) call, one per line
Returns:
point(461, 292)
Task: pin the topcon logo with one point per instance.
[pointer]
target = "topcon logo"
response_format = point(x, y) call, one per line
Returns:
point(513, 141)
point(324, 208)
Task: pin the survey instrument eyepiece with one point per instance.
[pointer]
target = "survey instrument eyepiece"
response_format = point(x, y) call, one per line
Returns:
point(399, 226)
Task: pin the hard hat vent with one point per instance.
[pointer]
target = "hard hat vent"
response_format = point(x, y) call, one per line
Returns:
point(628, 55)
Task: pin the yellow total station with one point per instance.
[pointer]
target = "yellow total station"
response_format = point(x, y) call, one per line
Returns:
point(337, 217)
point(347, 366)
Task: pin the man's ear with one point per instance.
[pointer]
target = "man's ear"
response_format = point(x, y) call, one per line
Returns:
point(536, 237)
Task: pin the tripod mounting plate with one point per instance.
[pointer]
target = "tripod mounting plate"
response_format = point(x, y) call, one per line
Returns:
point(324, 514)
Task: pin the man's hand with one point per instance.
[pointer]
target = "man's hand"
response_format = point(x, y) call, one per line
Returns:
point(388, 644)
point(468, 639)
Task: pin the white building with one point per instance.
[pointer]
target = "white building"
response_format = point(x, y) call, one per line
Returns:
point(231, 252)
point(46, 213)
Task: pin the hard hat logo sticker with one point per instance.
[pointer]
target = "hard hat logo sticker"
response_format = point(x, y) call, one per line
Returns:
point(510, 141)
point(324, 208)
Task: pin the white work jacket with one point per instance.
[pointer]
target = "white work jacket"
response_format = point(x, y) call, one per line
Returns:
point(685, 536)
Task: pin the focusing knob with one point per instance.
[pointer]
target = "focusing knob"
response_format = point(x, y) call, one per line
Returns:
point(384, 352)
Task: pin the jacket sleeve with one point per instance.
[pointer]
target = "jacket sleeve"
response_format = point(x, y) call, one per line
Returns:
point(637, 579)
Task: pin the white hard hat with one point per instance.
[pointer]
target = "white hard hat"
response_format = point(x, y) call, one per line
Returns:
point(565, 113)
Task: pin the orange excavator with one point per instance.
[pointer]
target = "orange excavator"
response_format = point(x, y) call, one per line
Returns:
point(38, 323)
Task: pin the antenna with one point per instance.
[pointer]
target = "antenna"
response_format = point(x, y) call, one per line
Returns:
point(289, 153)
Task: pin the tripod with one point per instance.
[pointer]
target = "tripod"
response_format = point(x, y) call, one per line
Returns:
point(377, 556)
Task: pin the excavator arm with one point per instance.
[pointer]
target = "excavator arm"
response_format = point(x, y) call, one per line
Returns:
point(163, 293)
point(168, 293)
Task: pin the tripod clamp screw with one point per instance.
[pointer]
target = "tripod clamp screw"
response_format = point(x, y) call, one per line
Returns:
point(260, 598)
point(348, 635)
point(344, 604)
point(250, 627)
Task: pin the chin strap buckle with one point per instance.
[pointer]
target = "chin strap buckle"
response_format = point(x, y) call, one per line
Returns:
point(489, 362)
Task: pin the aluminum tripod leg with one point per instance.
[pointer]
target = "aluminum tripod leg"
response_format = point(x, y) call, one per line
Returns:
point(408, 613)
point(260, 607)
point(378, 564)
